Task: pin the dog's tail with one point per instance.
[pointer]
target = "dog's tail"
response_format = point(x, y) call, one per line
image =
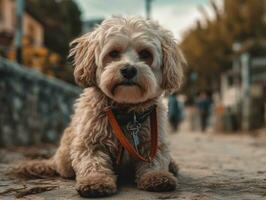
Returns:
point(34, 169)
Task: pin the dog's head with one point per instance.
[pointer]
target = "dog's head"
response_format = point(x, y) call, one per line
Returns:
point(131, 59)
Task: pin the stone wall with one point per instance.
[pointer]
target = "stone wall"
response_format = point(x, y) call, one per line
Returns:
point(33, 107)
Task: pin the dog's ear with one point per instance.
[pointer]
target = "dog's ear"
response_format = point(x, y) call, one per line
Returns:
point(83, 54)
point(173, 63)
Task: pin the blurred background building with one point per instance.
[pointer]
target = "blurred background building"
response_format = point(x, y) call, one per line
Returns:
point(32, 27)
point(47, 30)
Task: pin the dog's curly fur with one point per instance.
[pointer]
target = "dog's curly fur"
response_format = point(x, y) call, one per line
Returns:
point(88, 146)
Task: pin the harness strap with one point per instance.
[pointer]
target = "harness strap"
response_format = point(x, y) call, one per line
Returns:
point(126, 144)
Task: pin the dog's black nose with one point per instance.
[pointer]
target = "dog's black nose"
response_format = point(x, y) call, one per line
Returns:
point(128, 72)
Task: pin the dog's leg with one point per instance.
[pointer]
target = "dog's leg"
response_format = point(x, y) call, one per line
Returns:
point(94, 173)
point(155, 176)
point(62, 158)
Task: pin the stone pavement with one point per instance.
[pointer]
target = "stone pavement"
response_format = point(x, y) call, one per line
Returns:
point(212, 166)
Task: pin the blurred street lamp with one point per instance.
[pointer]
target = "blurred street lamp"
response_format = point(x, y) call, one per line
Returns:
point(236, 47)
point(148, 8)
point(19, 29)
point(246, 97)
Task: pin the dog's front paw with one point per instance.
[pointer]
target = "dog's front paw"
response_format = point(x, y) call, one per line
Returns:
point(157, 181)
point(96, 186)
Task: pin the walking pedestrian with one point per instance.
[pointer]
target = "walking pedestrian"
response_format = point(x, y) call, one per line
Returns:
point(174, 112)
point(204, 104)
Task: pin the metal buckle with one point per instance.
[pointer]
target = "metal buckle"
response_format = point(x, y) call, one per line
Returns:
point(134, 128)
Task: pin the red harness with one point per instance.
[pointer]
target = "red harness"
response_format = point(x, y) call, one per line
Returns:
point(125, 144)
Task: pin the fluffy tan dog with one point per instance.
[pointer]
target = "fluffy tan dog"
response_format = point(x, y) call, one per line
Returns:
point(126, 62)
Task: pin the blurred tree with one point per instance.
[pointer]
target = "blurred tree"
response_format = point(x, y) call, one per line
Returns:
point(208, 45)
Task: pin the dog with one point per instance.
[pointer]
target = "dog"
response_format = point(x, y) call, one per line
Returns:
point(127, 63)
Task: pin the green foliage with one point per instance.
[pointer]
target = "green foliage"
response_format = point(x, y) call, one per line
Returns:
point(208, 45)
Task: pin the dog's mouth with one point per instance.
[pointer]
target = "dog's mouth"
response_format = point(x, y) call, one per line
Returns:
point(126, 83)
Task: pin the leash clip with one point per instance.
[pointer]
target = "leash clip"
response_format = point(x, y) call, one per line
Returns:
point(134, 128)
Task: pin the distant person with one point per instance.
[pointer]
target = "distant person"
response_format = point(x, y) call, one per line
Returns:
point(204, 104)
point(174, 112)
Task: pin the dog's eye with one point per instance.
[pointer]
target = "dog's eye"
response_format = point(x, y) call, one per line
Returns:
point(114, 54)
point(144, 55)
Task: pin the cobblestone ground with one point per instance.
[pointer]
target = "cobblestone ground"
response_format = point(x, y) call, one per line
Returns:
point(212, 166)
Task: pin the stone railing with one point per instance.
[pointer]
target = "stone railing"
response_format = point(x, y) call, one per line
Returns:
point(33, 108)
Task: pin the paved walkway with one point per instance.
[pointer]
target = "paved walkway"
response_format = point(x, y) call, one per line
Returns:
point(212, 166)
